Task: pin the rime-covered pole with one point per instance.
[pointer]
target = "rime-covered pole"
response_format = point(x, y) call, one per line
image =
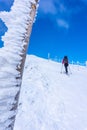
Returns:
point(19, 22)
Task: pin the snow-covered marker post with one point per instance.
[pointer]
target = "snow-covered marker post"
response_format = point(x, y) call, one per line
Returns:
point(78, 64)
point(86, 63)
point(19, 22)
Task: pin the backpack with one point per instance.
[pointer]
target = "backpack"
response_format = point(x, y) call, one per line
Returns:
point(65, 60)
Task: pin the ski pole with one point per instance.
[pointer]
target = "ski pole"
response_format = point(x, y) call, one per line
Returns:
point(61, 68)
point(70, 69)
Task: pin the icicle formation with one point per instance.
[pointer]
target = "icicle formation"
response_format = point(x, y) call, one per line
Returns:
point(19, 23)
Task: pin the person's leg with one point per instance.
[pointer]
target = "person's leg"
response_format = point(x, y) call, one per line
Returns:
point(66, 69)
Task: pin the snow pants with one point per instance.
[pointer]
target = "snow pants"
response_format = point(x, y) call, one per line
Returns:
point(66, 67)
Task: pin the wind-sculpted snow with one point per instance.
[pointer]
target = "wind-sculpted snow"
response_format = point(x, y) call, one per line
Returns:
point(11, 58)
point(51, 100)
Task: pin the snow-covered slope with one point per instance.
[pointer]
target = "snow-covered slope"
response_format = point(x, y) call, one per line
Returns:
point(50, 100)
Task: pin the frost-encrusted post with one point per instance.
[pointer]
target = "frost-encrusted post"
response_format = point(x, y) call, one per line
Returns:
point(86, 63)
point(19, 22)
point(26, 36)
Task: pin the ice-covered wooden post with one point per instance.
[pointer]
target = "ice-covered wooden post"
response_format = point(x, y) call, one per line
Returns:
point(86, 63)
point(19, 22)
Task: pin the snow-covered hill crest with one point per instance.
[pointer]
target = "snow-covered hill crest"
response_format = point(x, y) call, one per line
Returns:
point(50, 100)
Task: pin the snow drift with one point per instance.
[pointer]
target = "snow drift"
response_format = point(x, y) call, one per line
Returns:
point(50, 100)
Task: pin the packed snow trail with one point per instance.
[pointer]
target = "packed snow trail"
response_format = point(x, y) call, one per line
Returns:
point(50, 100)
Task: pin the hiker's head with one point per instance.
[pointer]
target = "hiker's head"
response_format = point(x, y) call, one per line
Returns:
point(65, 57)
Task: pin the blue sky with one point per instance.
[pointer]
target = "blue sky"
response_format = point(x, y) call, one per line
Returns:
point(60, 29)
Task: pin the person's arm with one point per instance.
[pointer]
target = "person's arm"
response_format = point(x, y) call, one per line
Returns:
point(63, 61)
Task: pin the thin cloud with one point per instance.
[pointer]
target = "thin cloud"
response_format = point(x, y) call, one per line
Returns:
point(55, 9)
point(52, 7)
point(62, 23)
point(47, 7)
point(61, 10)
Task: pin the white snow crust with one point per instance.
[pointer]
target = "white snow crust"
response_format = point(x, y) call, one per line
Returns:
point(51, 100)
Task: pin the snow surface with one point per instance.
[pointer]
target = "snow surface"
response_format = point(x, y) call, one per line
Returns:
point(51, 100)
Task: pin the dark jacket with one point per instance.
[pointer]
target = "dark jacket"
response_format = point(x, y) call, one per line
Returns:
point(65, 61)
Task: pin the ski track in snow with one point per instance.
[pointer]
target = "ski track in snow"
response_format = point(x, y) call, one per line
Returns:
point(50, 100)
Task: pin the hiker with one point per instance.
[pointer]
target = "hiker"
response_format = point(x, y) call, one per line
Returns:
point(65, 62)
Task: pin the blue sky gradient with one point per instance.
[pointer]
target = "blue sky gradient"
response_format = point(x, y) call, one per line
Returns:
point(60, 29)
